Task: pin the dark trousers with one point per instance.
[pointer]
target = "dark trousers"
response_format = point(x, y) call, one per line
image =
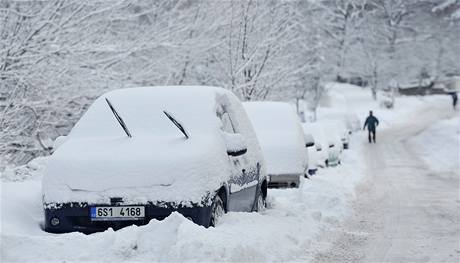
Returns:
point(371, 136)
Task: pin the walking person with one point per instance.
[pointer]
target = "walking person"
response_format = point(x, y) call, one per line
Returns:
point(371, 122)
point(454, 99)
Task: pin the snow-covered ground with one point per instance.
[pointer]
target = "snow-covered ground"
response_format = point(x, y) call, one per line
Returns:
point(438, 145)
point(285, 231)
point(291, 229)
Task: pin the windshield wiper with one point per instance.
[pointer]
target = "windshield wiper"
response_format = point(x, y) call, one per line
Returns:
point(176, 123)
point(119, 119)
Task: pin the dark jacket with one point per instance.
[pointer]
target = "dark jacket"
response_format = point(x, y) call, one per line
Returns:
point(371, 122)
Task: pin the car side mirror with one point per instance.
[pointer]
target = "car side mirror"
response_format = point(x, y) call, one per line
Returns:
point(235, 143)
point(309, 140)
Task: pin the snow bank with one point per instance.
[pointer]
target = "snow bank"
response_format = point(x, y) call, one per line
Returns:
point(439, 145)
point(286, 231)
point(32, 170)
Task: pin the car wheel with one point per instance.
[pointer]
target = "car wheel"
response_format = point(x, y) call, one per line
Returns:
point(327, 163)
point(261, 203)
point(217, 210)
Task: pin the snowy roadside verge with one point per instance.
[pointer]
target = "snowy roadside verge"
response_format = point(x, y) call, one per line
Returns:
point(439, 145)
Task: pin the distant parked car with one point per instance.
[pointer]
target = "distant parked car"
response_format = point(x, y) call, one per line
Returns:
point(337, 129)
point(327, 144)
point(353, 123)
point(354, 80)
point(141, 153)
point(282, 140)
point(313, 154)
point(347, 121)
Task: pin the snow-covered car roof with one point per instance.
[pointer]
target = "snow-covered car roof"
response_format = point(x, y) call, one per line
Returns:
point(317, 132)
point(280, 136)
point(324, 132)
point(99, 161)
point(348, 118)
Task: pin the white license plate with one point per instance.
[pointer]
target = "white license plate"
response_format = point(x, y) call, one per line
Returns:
point(117, 212)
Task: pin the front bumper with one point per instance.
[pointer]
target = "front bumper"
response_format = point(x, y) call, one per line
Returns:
point(76, 217)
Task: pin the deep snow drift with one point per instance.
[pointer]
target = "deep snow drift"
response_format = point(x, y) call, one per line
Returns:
point(285, 231)
point(288, 230)
point(439, 145)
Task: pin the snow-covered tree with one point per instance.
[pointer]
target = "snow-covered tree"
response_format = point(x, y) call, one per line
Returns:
point(341, 20)
point(57, 56)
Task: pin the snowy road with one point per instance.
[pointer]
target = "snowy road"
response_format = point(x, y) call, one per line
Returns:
point(404, 211)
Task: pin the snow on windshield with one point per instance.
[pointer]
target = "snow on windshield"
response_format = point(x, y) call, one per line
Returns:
point(142, 111)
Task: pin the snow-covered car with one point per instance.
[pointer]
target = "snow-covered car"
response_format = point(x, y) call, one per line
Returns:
point(336, 139)
point(344, 123)
point(313, 154)
point(353, 123)
point(282, 141)
point(142, 153)
point(336, 128)
point(327, 144)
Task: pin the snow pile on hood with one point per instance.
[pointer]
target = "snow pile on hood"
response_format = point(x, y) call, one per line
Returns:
point(280, 136)
point(98, 160)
